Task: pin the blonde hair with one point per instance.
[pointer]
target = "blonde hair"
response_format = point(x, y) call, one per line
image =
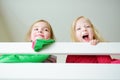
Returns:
point(30, 30)
point(96, 33)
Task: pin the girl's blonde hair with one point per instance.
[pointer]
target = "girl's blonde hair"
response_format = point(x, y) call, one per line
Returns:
point(96, 33)
point(30, 30)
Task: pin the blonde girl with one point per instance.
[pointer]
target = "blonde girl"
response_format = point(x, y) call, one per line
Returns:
point(83, 30)
point(41, 29)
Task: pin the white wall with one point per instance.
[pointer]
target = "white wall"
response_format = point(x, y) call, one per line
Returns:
point(3, 33)
point(18, 15)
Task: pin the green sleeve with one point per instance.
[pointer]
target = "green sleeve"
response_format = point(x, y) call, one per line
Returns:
point(23, 58)
point(40, 43)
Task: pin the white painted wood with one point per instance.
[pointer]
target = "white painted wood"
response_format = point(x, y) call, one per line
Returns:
point(62, 48)
point(60, 71)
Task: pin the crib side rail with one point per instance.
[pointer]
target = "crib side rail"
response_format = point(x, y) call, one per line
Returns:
point(61, 71)
point(62, 48)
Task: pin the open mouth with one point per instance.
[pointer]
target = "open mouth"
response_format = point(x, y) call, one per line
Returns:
point(85, 37)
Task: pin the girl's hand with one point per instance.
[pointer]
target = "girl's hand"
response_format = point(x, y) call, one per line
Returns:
point(94, 42)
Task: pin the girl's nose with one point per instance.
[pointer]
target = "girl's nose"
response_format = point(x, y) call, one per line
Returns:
point(39, 31)
point(84, 29)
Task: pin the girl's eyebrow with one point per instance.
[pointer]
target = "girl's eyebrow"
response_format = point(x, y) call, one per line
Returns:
point(35, 26)
point(40, 26)
point(46, 27)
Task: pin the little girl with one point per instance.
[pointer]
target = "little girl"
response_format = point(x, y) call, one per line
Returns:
point(83, 30)
point(41, 29)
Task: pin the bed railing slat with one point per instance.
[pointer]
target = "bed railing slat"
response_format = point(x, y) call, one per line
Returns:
point(62, 48)
point(60, 71)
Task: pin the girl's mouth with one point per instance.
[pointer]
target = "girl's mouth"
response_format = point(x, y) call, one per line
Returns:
point(39, 35)
point(85, 38)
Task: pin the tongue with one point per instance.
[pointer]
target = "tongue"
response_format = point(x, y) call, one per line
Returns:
point(86, 39)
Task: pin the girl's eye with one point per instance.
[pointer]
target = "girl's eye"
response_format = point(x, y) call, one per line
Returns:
point(87, 26)
point(36, 29)
point(46, 29)
point(78, 28)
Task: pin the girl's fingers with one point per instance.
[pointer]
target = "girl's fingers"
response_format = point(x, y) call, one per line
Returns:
point(94, 42)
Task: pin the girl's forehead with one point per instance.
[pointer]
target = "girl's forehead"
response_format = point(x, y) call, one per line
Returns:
point(82, 21)
point(40, 24)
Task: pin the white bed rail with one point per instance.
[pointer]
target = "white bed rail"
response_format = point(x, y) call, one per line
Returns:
point(60, 71)
point(62, 48)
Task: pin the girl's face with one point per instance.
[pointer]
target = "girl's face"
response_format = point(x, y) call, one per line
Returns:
point(83, 31)
point(40, 30)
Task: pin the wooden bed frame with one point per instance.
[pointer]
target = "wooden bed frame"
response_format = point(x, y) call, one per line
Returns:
point(60, 71)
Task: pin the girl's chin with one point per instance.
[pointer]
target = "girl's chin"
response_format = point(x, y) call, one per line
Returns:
point(38, 38)
point(86, 41)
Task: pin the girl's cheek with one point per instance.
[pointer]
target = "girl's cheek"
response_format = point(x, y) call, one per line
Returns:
point(33, 38)
point(47, 37)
